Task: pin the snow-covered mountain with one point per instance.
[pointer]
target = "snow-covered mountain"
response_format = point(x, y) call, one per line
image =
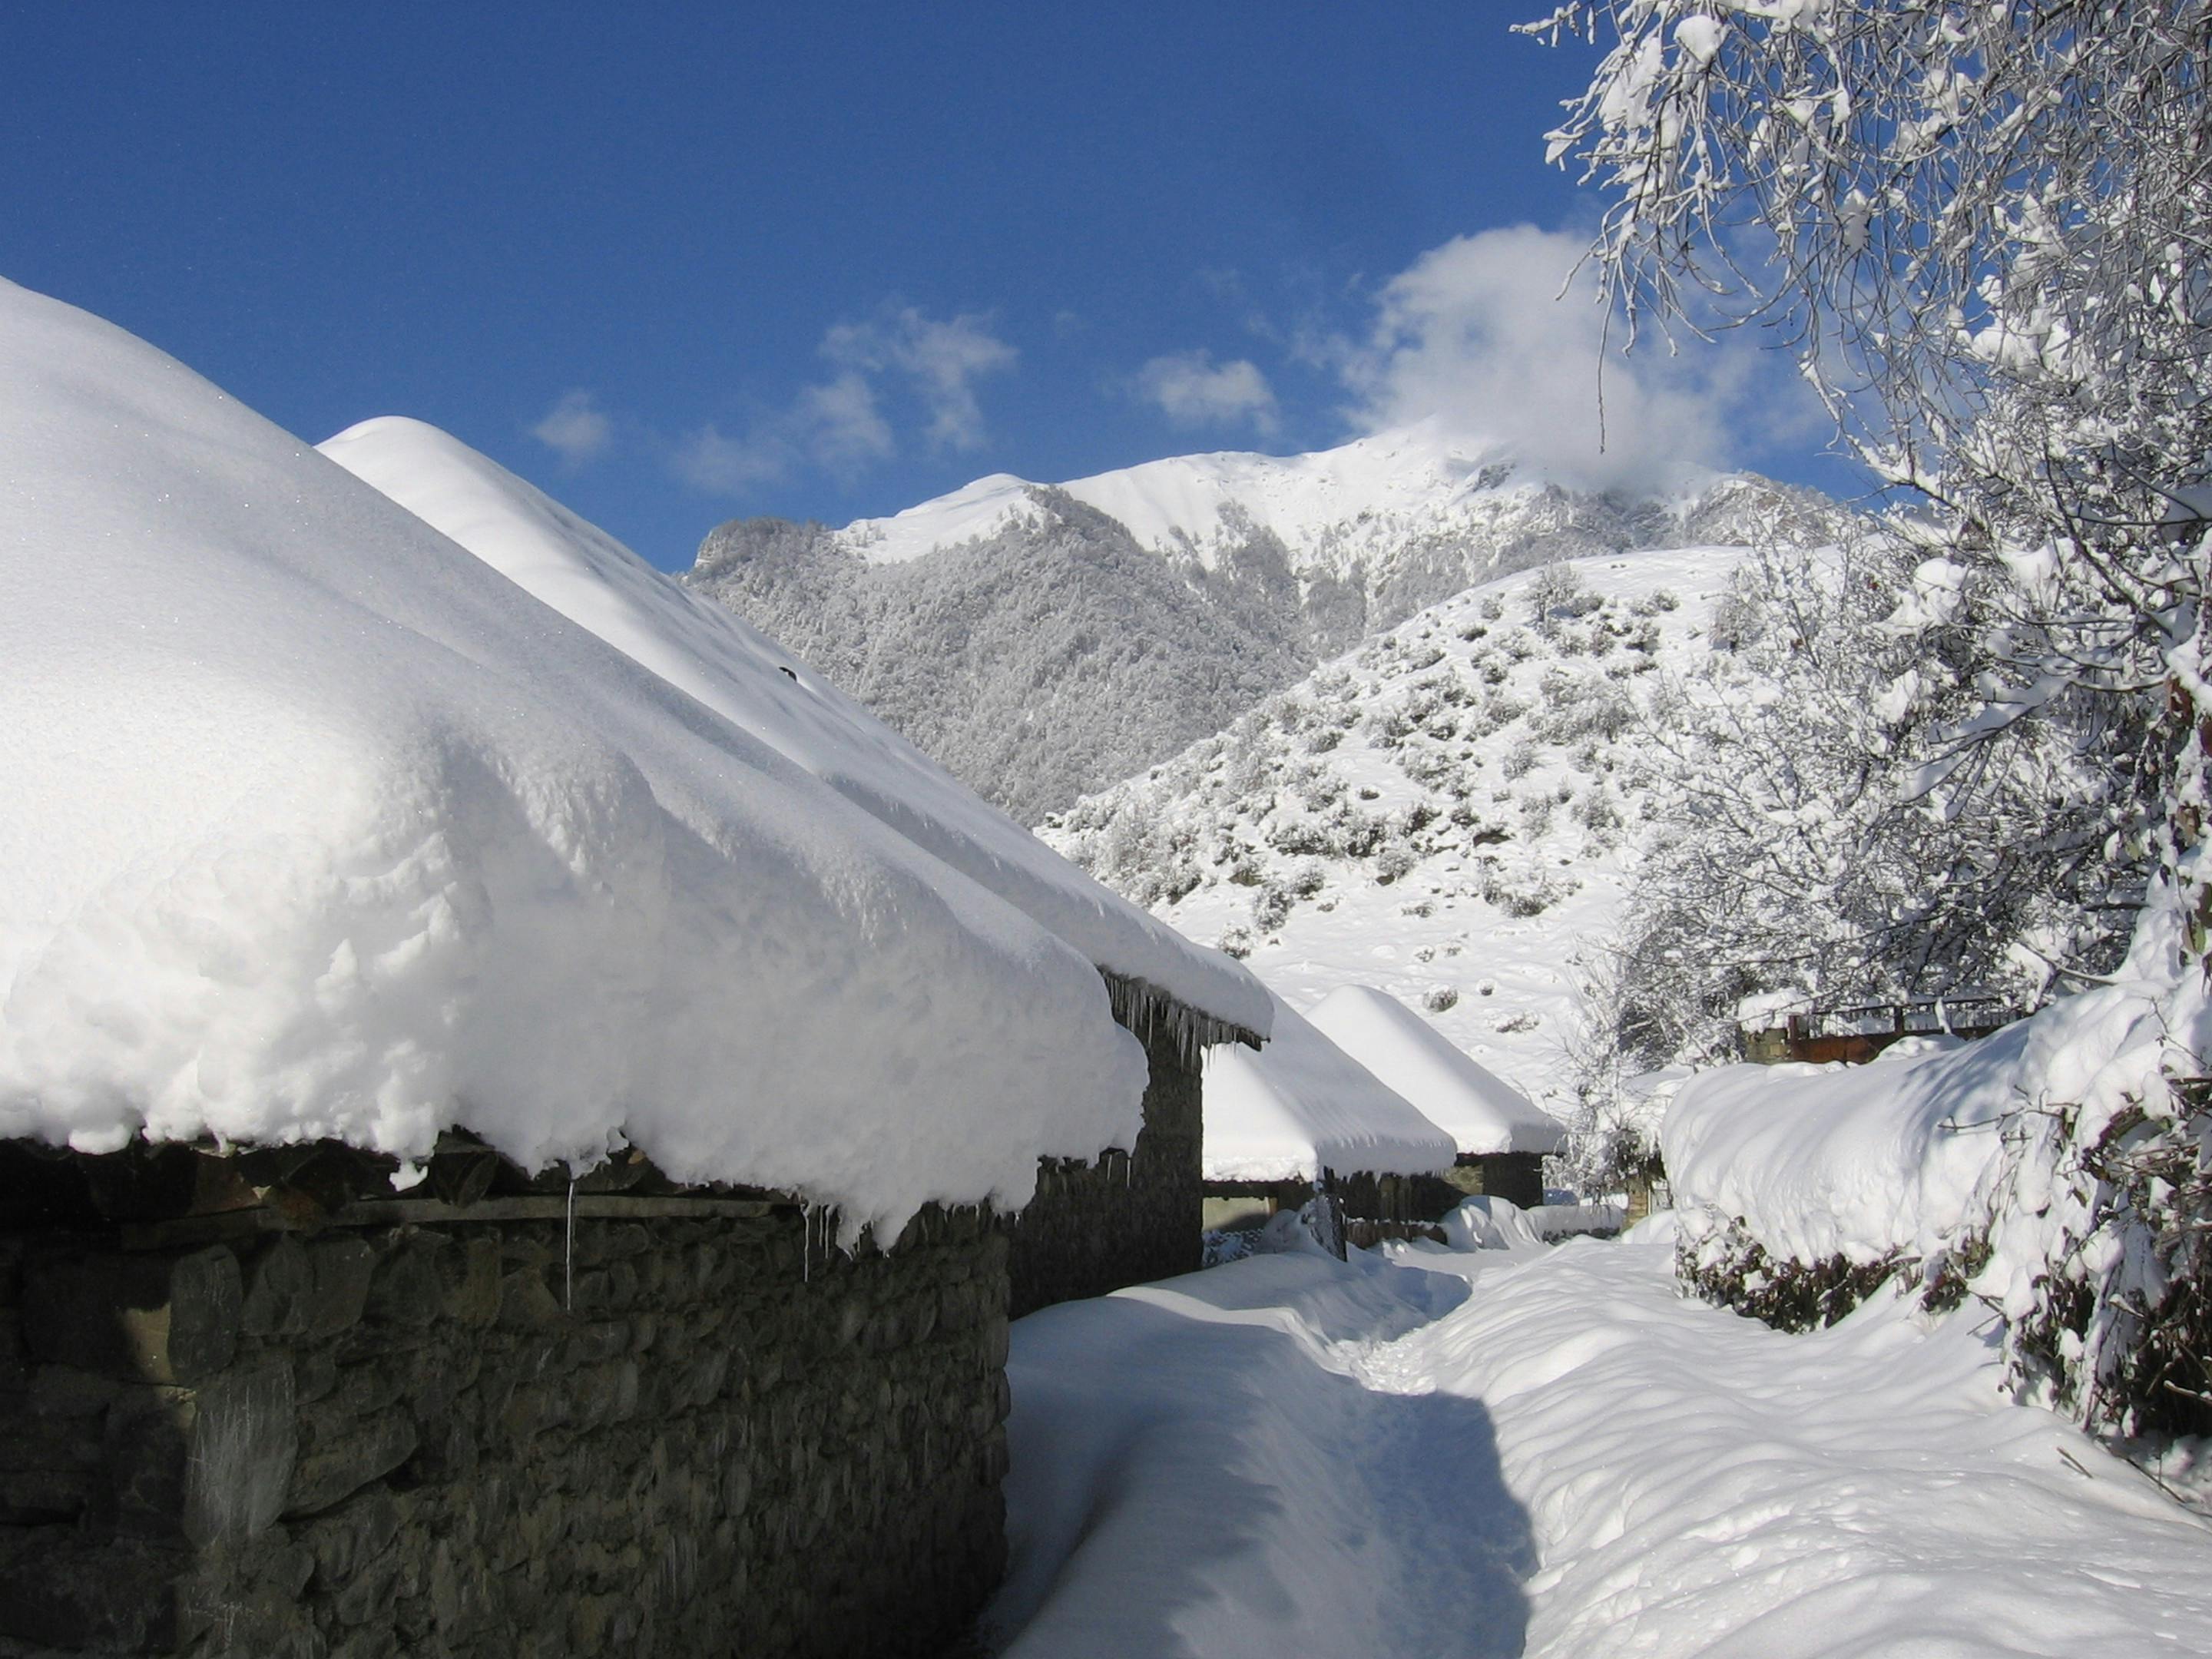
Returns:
point(1442, 813)
point(1044, 641)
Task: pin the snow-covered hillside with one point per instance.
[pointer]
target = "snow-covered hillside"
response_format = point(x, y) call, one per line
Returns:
point(1443, 813)
point(1043, 640)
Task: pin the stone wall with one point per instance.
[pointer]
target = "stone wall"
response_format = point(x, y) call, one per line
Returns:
point(1517, 1178)
point(1095, 1227)
point(693, 1434)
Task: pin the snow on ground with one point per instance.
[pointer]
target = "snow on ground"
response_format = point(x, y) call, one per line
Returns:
point(1549, 1451)
point(1481, 1112)
point(1301, 1104)
point(707, 651)
point(377, 842)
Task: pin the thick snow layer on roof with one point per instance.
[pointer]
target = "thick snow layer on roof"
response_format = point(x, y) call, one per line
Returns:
point(1478, 1109)
point(706, 652)
point(316, 825)
point(1302, 1105)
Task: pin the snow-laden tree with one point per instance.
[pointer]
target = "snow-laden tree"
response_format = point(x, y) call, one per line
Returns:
point(1827, 837)
point(1985, 227)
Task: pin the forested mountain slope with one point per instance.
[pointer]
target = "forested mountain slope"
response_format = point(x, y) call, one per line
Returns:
point(1043, 641)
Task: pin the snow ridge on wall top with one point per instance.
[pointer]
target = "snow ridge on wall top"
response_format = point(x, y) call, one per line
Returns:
point(709, 653)
point(319, 826)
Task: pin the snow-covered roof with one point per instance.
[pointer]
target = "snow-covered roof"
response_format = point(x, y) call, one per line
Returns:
point(707, 652)
point(1482, 1112)
point(1302, 1105)
point(318, 825)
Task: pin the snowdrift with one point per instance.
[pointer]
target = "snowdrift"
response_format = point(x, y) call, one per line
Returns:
point(1901, 1156)
point(2036, 1170)
point(707, 651)
point(1481, 1112)
point(319, 826)
point(1301, 1105)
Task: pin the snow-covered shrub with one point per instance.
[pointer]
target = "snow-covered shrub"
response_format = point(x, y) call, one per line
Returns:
point(1556, 594)
point(1832, 834)
point(1392, 861)
point(1442, 1000)
point(1988, 234)
point(1271, 908)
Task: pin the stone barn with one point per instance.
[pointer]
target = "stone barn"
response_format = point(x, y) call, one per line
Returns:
point(509, 1092)
point(1502, 1136)
point(1300, 1118)
point(1094, 1223)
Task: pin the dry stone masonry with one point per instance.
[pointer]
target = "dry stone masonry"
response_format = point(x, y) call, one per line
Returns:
point(1125, 1219)
point(695, 1430)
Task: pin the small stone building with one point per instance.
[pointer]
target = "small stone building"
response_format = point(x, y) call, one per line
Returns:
point(258, 1405)
point(1301, 1119)
point(502, 1076)
point(1125, 1218)
point(1852, 1034)
point(1501, 1137)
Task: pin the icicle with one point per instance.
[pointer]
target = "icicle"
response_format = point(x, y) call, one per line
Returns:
point(805, 1242)
point(568, 1258)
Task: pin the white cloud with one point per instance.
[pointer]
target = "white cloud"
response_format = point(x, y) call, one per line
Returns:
point(1192, 390)
point(940, 359)
point(575, 428)
point(835, 427)
point(710, 460)
point(1486, 336)
point(838, 426)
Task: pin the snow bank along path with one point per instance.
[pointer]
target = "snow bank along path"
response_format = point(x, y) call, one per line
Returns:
point(1913, 1156)
point(1301, 1105)
point(703, 649)
point(318, 825)
point(1285, 1455)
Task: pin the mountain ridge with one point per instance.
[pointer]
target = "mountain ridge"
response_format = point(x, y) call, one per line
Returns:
point(1044, 642)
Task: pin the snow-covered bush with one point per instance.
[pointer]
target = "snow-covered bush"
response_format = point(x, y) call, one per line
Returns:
point(1830, 835)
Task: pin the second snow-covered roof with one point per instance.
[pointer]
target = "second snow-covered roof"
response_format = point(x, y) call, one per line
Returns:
point(1301, 1105)
point(1482, 1112)
point(705, 651)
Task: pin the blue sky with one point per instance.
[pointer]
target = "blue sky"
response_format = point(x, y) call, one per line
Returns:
point(680, 262)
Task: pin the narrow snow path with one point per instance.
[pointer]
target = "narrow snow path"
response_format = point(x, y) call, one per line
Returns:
point(1199, 1469)
point(1550, 1452)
